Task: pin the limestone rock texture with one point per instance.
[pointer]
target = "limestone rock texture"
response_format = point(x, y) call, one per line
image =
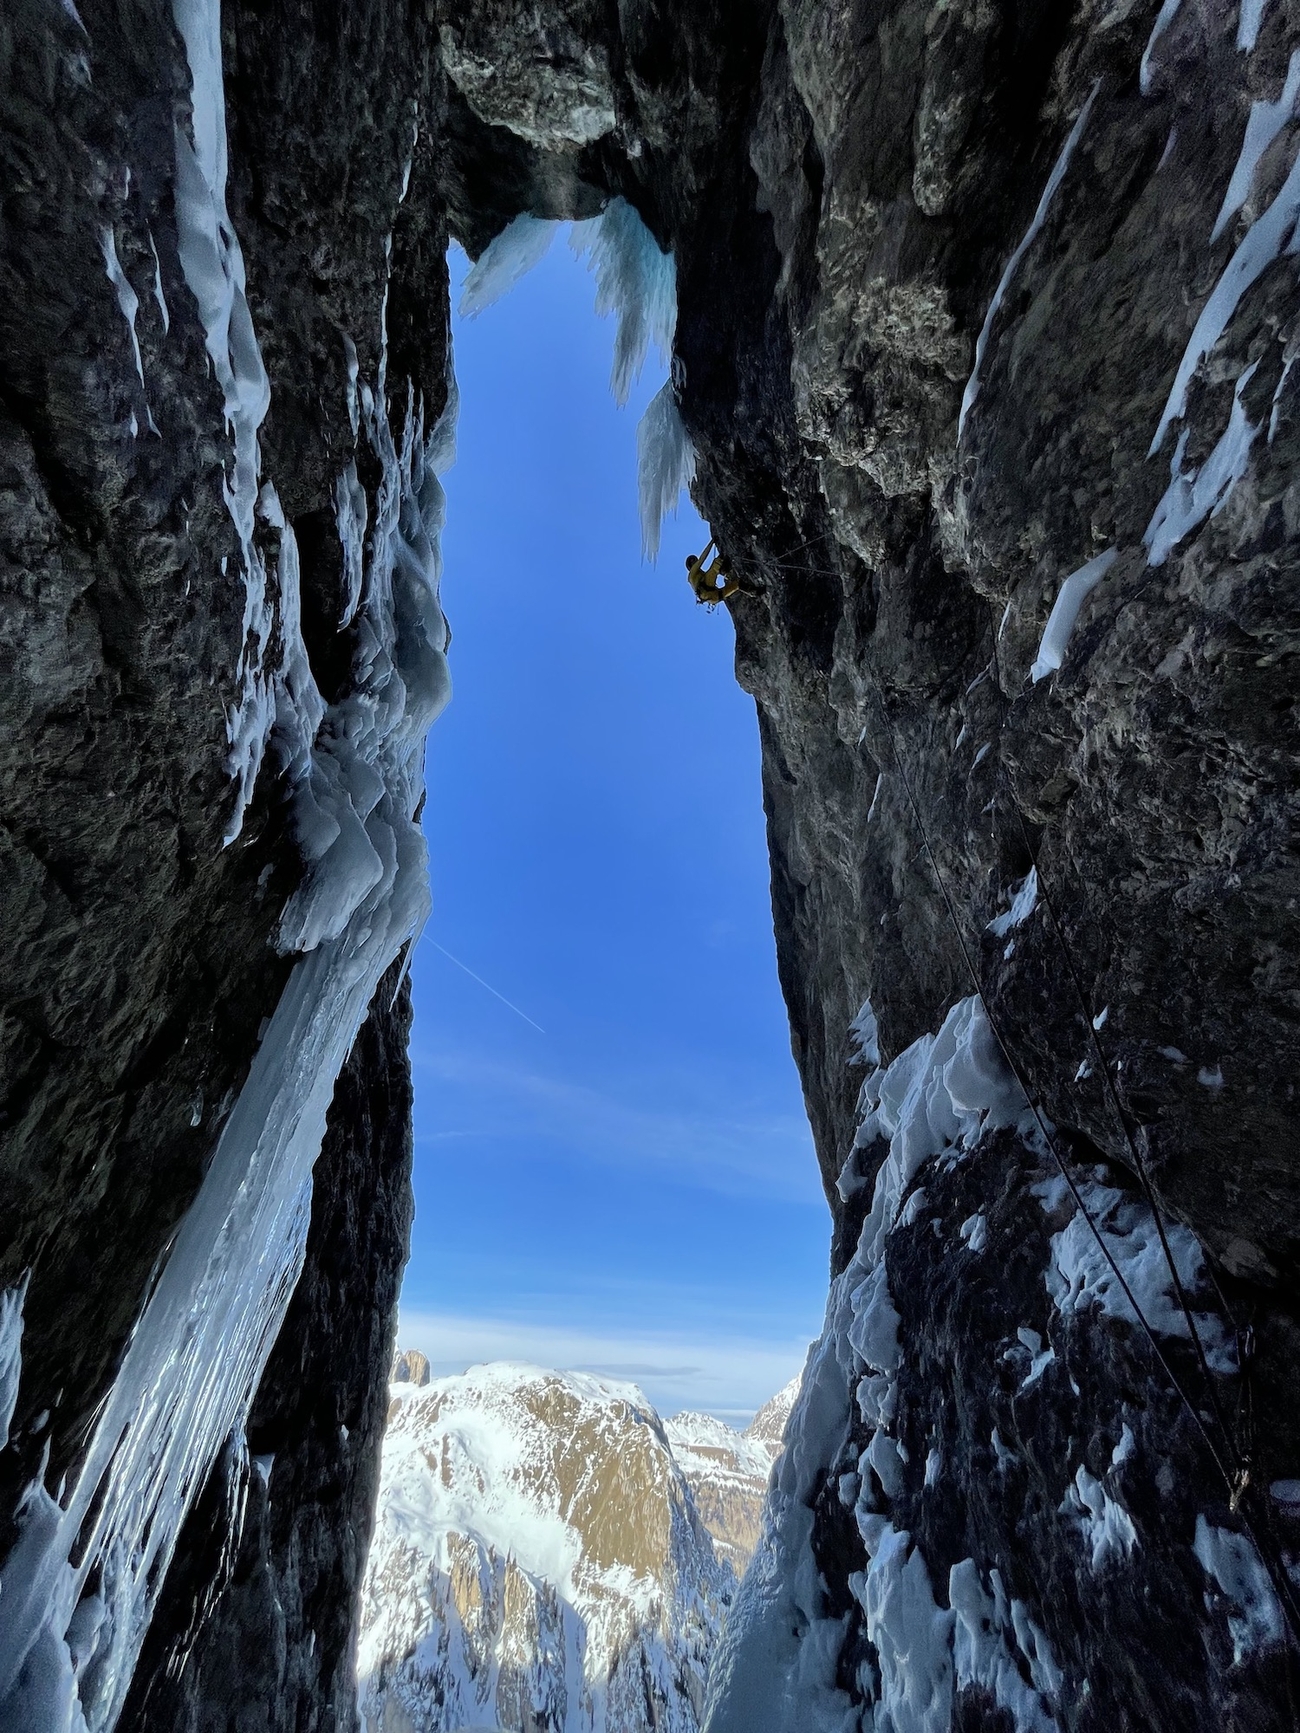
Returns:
point(971, 299)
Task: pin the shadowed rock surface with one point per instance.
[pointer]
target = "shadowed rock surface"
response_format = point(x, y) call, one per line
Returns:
point(876, 211)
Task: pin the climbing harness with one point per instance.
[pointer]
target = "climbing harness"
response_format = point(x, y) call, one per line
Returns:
point(1236, 1482)
point(701, 575)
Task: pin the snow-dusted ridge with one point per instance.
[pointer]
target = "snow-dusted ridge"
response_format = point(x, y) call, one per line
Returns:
point(537, 1560)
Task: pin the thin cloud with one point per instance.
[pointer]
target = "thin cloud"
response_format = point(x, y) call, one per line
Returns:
point(768, 1156)
point(731, 1378)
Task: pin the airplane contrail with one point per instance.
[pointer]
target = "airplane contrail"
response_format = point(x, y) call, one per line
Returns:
point(482, 983)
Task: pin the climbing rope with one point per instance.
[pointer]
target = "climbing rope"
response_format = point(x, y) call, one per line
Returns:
point(1108, 1082)
point(1235, 1482)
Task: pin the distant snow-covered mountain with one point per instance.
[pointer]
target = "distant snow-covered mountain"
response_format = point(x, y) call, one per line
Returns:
point(550, 1557)
point(727, 1473)
point(769, 1424)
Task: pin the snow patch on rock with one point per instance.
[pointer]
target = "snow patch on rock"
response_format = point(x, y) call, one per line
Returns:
point(1073, 593)
point(1234, 1566)
point(995, 1642)
point(776, 1665)
point(1078, 1275)
point(1107, 1528)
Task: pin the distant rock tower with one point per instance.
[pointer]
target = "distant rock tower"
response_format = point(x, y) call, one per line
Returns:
point(410, 1366)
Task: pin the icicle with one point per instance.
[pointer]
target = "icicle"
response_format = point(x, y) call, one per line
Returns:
point(506, 259)
point(635, 281)
point(158, 294)
point(665, 465)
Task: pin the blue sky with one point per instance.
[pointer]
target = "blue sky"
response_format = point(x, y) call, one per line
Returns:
point(617, 1174)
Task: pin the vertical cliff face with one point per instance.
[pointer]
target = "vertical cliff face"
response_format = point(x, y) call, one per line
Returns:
point(222, 650)
point(985, 343)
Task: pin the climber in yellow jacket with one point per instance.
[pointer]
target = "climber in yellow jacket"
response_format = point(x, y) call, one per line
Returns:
point(701, 575)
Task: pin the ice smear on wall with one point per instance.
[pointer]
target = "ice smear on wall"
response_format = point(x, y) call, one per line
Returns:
point(11, 1353)
point(1054, 180)
point(1249, 20)
point(1266, 120)
point(1191, 498)
point(1263, 243)
point(1164, 18)
point(345, 816)
point(213, 267)
point(158, 295)
point(1231, 1561)
point(351, 515)
point(1078, 1275)
point(127, 299)
point(775, 1668)
point(1073, 593)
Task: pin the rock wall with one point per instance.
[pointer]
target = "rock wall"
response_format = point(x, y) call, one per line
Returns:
point(970, 300)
